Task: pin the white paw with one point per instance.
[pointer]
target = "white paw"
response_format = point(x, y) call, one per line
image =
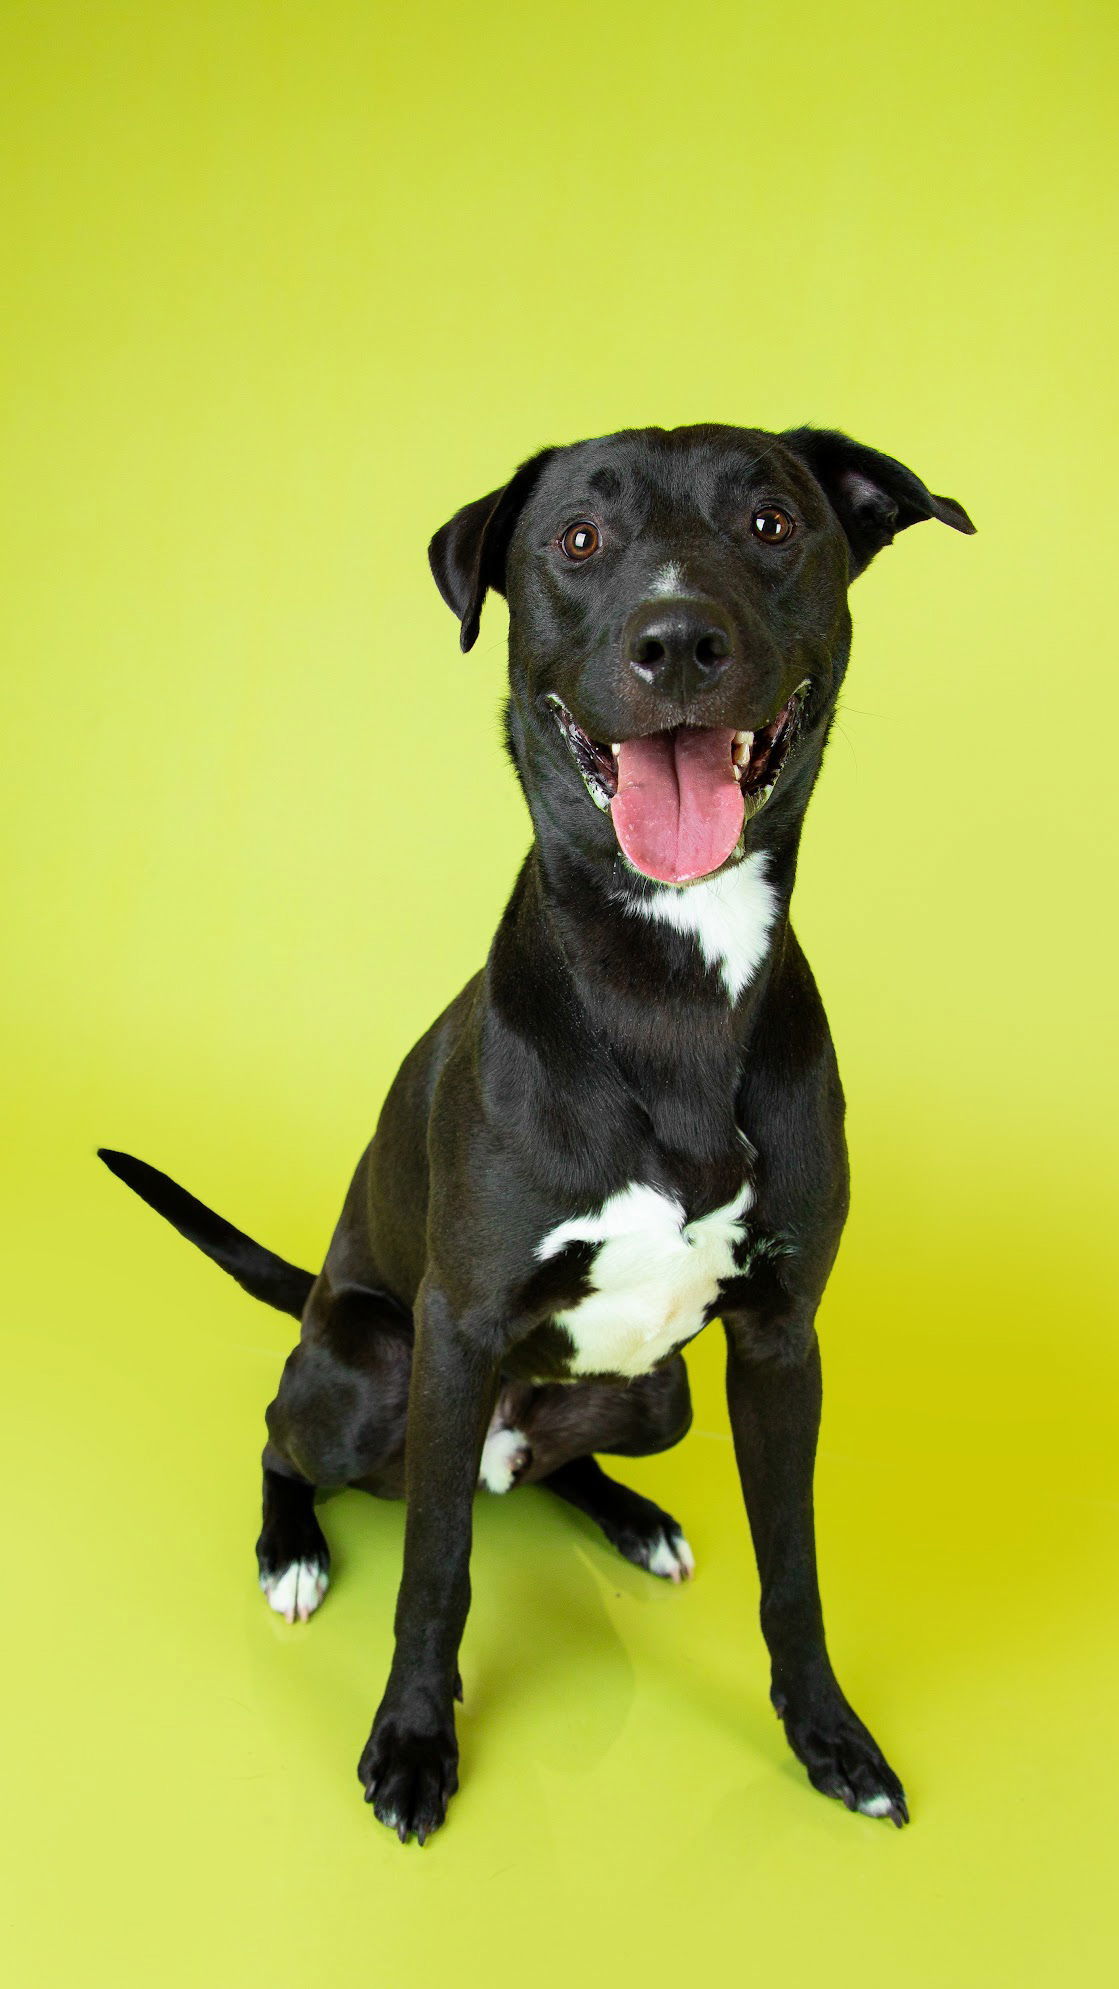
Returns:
point(503, 1456)
point(297, 1590)
point(670, 1556)
point(876, 1805)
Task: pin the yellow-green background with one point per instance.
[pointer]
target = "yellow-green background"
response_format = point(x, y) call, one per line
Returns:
point(285, 285)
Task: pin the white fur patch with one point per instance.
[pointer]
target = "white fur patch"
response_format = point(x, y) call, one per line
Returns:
point(297, 1590)
point(653, 1276)
point(876, 1806)
point(730, 917)
point(502, 1456)
point(672, 1558)
point(668, 580)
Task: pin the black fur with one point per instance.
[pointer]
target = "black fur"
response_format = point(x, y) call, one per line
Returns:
point(258, 1271)
point(595, 1049)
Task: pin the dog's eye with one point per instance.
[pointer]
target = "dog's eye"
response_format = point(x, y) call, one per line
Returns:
point(772, 526)
point(580, 540)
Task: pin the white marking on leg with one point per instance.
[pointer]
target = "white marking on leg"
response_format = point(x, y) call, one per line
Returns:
point(684, 1555)
point(876, 1805)
point(297, 1590)
point(672, 1558)
point(729, 916)
point(502, 1457)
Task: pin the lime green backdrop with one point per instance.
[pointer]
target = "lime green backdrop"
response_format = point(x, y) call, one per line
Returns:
point(286, 285)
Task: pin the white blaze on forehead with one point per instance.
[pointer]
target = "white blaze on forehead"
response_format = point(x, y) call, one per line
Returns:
point(668, 579)
point(729, 916)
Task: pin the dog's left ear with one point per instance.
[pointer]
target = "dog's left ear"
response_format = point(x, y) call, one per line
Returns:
point(873, 496)
point(468, 553)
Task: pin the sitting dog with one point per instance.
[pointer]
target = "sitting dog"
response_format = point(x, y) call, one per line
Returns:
point(630, 1122)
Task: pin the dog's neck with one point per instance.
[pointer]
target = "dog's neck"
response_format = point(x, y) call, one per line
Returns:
point(656, 1000)
point(672, 1023)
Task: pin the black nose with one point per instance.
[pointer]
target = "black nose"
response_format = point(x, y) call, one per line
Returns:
point(680, 647)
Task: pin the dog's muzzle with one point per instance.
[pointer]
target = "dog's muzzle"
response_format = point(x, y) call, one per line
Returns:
point(679, 799)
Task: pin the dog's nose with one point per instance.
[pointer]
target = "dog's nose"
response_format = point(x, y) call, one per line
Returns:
point(680, 647)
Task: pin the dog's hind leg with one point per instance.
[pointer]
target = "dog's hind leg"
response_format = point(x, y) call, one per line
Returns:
point(292, 1554)
point(641, 1530)
point(566, 1424)
point(338, 1419)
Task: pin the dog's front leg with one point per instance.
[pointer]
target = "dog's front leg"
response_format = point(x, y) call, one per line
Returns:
point(409, 1767)
point(774, 1393)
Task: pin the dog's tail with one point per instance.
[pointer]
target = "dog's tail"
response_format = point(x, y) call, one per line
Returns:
point(257, 1270)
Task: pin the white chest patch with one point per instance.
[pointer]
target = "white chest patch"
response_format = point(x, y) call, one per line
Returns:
point(729, 916)
point(654, 1276)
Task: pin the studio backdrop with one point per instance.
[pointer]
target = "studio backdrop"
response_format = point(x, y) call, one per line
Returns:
point(286, 285)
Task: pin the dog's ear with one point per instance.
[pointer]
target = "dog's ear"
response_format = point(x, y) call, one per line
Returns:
point(873, 496)
point(468, 553)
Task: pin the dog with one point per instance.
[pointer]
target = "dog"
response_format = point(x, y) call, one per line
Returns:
point(630, 1122)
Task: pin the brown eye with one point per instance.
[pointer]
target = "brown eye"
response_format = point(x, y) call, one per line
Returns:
point(580, 540)
point(772, 526)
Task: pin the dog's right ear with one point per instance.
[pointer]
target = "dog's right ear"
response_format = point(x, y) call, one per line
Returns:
point(468, 553)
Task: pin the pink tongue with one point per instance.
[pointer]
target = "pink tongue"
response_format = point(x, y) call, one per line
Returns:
point(678, 810)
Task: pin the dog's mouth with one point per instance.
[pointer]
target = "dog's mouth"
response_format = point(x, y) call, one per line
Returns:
point(679, 799)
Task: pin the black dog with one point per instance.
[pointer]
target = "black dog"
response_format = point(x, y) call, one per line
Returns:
point(630, 1121)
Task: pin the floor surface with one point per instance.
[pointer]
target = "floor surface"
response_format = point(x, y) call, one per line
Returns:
point(185, 1807)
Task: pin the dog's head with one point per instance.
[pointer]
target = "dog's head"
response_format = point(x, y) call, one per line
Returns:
point(678, 626)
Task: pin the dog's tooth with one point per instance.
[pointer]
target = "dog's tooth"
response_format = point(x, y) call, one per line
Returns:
point(615, 750)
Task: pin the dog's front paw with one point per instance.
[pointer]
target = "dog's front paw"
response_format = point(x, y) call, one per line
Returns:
point(409, 1776)
point(842, 1758)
